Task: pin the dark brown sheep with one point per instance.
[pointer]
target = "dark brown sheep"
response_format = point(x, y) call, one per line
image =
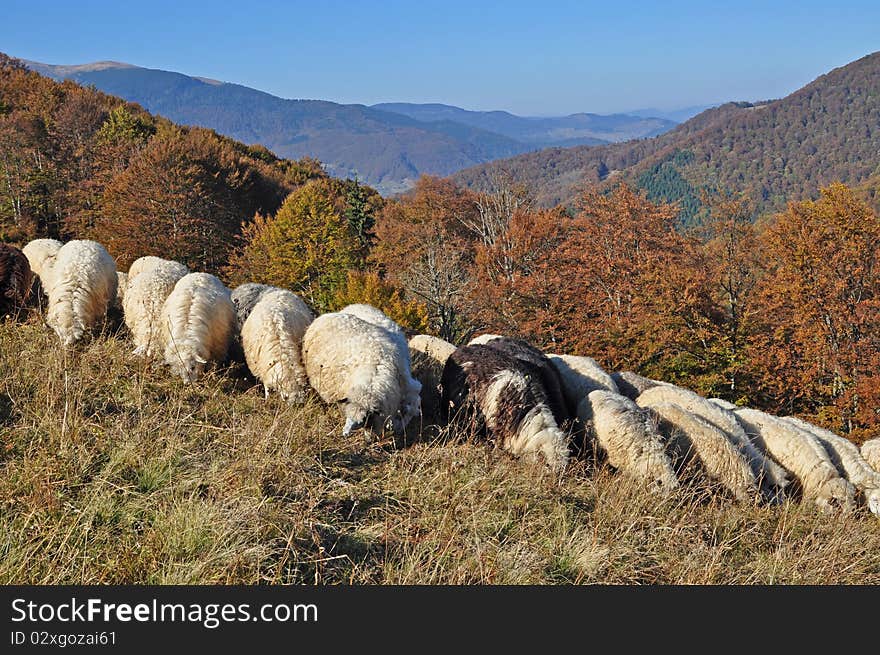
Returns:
point(16, 279)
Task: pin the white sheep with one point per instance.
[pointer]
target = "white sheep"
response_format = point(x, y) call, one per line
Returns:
point(483, 339)
point(723, 404)
point(631, 384)
point(143, 302)
point(497, 395)
point(41, 254)
point(272, 338)
point(197, 321)
point(871, 452)
point(801, 453)
point(245, 296)
point(358, 366)
point(773, 477)
point(691, 435)
point(628, 435)
point(848, 460)
point(377, 317)
point(142, 264)
point(428, 356)
point(82, 287)
point(581, 375)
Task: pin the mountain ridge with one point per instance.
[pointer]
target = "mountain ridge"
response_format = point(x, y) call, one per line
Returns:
point(385, 149)
point(775, 151)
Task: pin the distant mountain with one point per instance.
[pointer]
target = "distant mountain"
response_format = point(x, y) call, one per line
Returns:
point(675, 115)
point(387, 150)
point(775, 151)
point(576, 129)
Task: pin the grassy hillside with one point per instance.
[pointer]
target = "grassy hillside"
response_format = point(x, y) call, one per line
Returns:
point(775, 151)
point(111, 471)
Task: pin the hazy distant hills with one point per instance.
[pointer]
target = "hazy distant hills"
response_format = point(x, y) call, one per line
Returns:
point(776, 151)
point(386, 148)
point(674, 115)
point(576, 129)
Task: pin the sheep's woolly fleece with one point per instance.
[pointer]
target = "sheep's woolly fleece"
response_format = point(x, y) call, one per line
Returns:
point(375, 316)
point(871, 452)
point(581, 375)
point(498, 395)
point(272, 341)
point(631, 384)
point(802, 454)
point(537, 364)
point(428, 356)
point(722, 462)
point(16, 278)
point(628, 435)
point(773, 477)
point(143, 264)
point(358, 366)
point(41, 254)
point(83, 285)
point(849, 462)
point(143, 301)
point(197, 321)
point(245, 296)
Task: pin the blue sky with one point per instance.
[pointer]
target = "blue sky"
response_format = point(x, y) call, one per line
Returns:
point(537, 58)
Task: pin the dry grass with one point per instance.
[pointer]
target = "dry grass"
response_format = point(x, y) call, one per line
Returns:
point(111, 471)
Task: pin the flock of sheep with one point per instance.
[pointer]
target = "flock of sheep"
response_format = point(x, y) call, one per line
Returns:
point(529, 403)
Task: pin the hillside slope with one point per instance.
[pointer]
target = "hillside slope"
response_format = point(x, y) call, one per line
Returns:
point(775, 151)
point(385, 149)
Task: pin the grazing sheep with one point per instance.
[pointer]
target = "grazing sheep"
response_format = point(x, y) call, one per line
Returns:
point(143, 264)
point(580, 376)
point(773, 478)
point(483, 339)
point(16, 278)
point(629, 437)
point(540, 366)
point(801, 453)
point(848, 460)
point(245, 296)
point(631, 384)
point(359, 366)
point(197, 321)
point(691, 435)
point(724, 404)
point(143, 302)
point(500, 396)
point(871, 452)
point(272, 341)
point(41, 254)
point(82, 287)
point(375, 316)
point(378, 318)
point(428, 356)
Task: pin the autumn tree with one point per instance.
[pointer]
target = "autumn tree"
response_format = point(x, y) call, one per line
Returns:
point(183, 196)
point(306, 247)
point(368, 287)
point(425, 246)
point(707, 326)
point(819, 346)
point(523, 284)
point(628, 248)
